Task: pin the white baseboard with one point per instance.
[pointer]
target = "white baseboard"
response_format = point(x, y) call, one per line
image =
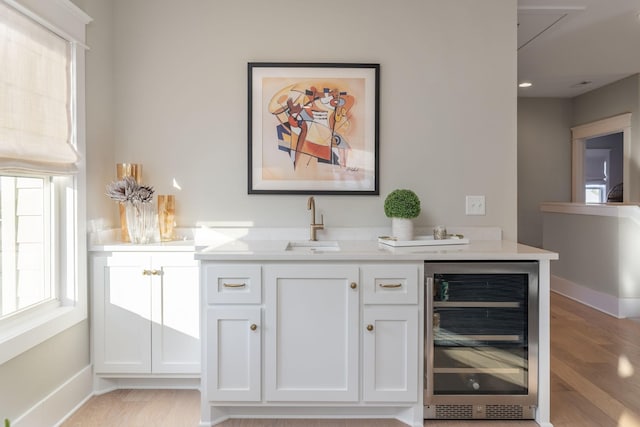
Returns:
point(103, 384)
point(60, 403)
point(609, 304)
point(629, 307)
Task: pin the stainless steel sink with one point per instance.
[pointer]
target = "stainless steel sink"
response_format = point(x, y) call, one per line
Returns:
point(312, 246)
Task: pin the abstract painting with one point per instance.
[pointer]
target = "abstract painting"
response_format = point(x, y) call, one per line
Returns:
point(313, 128)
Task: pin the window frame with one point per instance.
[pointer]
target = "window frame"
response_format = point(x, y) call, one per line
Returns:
point(27, 329)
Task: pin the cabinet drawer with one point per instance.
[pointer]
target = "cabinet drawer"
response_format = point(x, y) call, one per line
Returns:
point(391, 284)
point(233, 284)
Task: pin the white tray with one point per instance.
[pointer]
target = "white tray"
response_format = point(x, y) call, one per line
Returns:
point(422, 241)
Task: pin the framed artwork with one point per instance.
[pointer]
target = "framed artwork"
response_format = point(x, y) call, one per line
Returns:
point(313, 128)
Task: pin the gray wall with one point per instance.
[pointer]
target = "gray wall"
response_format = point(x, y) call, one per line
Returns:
point(447, 119)
point(544, 147)
point(588, 248)
point(595, 252)
point(544, 161)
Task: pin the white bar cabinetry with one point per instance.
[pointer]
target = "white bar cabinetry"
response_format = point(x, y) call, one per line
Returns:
point(145, 314)
point(283, 336)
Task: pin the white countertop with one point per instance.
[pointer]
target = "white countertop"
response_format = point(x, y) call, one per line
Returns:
point(118, 246)
point(361, 250)
point(356, 244)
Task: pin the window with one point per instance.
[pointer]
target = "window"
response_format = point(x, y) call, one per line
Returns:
point(25, 247)
point(43, 259)
point(595, 193)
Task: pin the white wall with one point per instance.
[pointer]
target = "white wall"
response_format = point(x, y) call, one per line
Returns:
point(99, 105)
point(448, 103)
point(544, 161)
point(166, 87)
point(33, 376)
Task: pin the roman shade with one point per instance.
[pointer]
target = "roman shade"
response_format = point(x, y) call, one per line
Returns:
point(35, 98)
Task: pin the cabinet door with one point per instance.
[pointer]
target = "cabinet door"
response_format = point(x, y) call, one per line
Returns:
point(233, 354)
point(122, 313)
point(176, 315)
point(390, 354)
point(311, 332)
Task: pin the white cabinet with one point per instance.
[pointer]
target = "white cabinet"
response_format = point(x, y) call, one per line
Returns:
point(311, 332)
point(390, 354)
point(146, 313)
point(285, 339)
point(390, 361)
point(233, 352)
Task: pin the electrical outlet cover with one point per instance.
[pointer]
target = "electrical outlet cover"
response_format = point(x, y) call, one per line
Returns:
point(475, 205)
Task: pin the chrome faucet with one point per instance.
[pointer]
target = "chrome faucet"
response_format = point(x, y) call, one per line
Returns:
point(311, 205)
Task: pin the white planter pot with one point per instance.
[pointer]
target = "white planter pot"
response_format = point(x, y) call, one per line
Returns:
point(402, 228)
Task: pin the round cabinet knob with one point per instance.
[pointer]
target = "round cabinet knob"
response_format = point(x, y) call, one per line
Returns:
point(369, 328)
point(354, 285)
point(253, 327)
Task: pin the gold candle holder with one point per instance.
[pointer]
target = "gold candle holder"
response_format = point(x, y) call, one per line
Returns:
point(167, 216)
point(133, 170)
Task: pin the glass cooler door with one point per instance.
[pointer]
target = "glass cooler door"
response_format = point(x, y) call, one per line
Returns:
point(480, 334)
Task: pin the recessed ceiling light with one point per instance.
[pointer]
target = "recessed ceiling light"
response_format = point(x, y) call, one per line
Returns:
point(525, 84)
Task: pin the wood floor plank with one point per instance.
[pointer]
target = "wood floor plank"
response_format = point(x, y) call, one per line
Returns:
point(595, 382)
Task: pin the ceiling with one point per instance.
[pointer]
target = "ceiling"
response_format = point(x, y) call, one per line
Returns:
point(569, 47)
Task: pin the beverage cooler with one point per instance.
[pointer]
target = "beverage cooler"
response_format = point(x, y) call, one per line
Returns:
point(481, 340)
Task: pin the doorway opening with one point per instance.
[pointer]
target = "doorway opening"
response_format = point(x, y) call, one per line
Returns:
point(600, 160)
point(603, 168)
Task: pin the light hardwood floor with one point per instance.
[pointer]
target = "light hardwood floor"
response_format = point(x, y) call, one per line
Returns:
point(595, 382)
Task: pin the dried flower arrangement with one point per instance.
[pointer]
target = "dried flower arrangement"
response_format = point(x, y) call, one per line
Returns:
point(136, 199)
point(127, 190)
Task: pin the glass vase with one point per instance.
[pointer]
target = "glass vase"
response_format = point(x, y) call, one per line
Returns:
point(141, 222)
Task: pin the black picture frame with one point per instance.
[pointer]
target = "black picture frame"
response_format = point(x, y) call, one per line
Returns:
point(313, 128)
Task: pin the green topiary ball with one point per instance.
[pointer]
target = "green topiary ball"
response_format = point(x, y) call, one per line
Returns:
point(402, 204)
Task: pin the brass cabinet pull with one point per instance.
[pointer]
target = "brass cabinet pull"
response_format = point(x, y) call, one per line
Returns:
point(354, 285)
point(253, 327)
point(152, 272)
point(369, 328)
point(390, 285)
point(234, 285)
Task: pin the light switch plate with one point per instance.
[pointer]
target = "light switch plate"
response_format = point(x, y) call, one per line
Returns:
point(475, 205)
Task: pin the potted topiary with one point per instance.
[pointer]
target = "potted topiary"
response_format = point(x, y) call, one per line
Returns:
point(402, 206)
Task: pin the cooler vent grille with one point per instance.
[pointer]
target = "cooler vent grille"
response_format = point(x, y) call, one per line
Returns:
point(479, 411)
point(454, 412)
point(504, 412)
